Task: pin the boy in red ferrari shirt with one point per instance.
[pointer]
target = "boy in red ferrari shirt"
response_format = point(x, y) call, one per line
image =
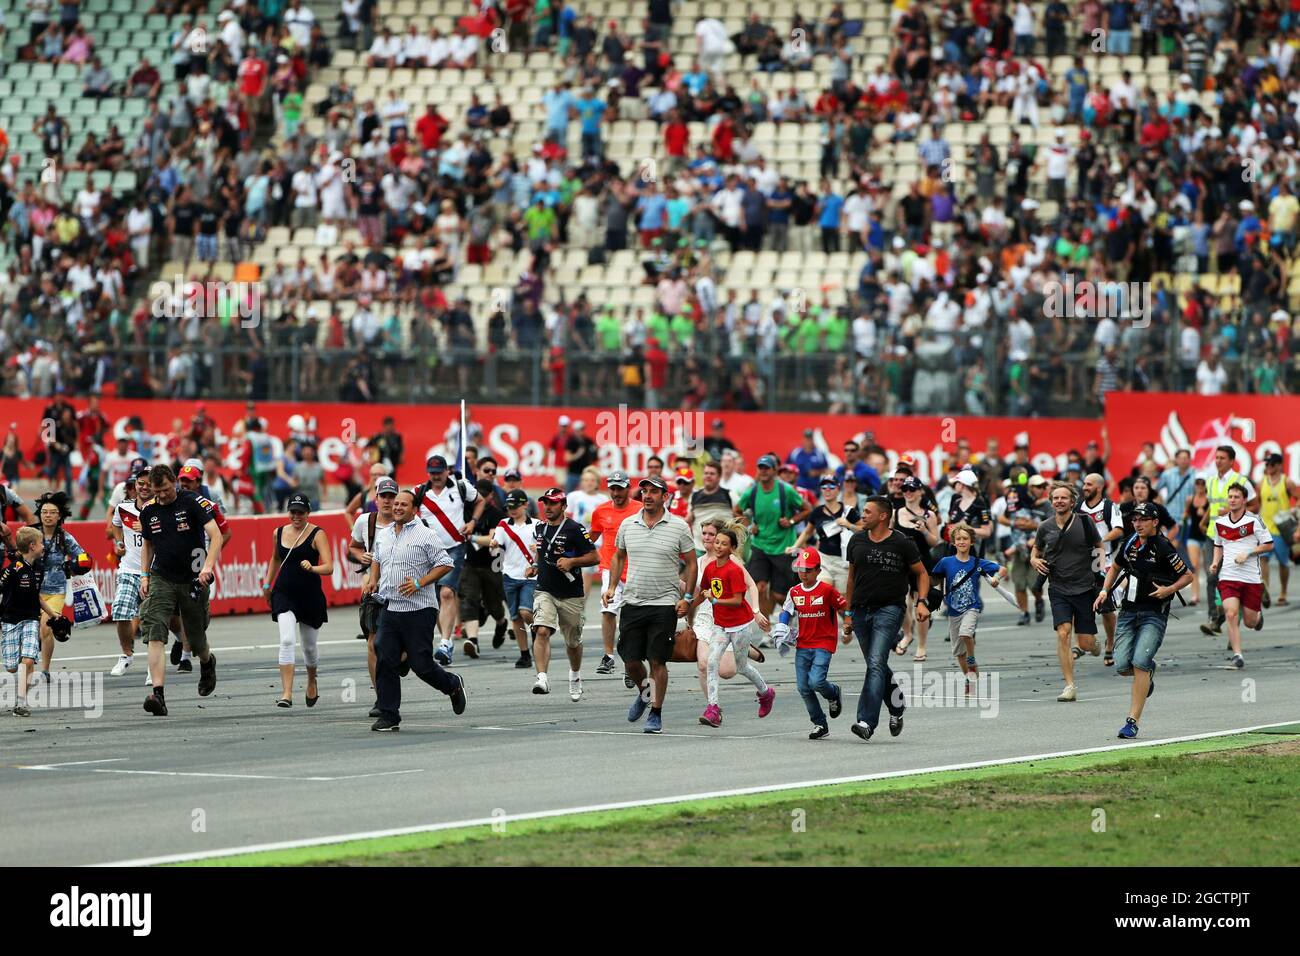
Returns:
point(815, 607)
point(722, 584)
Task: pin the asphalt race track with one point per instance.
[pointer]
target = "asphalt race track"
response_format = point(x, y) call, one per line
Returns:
point(234, 771)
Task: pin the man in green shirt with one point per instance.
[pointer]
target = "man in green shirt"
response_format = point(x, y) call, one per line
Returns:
point(609, 331)
point(808, 333)
point(657, 327)
point(540, 221)
point(773, 508)
point(836, 326)
point(683, 326)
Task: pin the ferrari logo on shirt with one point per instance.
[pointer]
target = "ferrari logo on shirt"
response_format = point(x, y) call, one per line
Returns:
point(818, 600)
point(715, 587)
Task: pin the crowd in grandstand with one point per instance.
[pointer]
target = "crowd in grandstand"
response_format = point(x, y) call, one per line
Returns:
point(1188, 190)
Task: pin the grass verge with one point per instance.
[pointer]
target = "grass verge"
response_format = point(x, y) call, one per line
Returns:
point(1233, 804)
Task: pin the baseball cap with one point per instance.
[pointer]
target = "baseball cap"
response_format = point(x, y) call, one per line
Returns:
point(787, 466)
point(1145, 510)
point(436, 464)
point(516, 498)
point(1037, 480)
point(653, 481)
point(967, 478)
point(807, 560)
point(299, 502)
point(618, 479)
point(189, 472)
point(685, 475)
point(829, 482)
point(564, 419)
point(512, 474)
point(906, 461)
point(139, 464)
point(912, 483)
point(386, 486)
point(808, 433)
point(768, 461)
point(554, 496)
point(1273, 459)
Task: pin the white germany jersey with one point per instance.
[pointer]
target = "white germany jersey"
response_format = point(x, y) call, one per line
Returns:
point(127, 517)
point(1240, 537)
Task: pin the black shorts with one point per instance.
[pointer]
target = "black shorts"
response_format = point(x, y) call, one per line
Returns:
point(1073, 609)
point(645, 632)
point(1109, 607)
point(775, 568)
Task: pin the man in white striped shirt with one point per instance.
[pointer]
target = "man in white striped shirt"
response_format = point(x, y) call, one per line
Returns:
point(408, 559)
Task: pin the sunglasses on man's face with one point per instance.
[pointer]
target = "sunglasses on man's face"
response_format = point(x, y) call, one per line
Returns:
point(489, 471)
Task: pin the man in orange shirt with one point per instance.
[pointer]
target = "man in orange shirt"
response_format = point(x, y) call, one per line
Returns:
point(605, 520)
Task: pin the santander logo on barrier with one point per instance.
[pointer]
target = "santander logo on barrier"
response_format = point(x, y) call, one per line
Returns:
point(1234, 431)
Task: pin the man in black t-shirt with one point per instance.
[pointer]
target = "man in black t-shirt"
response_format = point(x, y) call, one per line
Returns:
point(882, 563)
point(1152, 574)
point(481, 592)
point(179, 564)
point(563, 550)
point(579, 452)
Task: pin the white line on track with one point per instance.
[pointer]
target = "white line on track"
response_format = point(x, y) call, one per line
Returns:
point(659, 801)
point(638, 733)
point(188, 773)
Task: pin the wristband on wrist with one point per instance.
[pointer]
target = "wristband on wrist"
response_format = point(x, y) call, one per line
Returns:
point(688, 596)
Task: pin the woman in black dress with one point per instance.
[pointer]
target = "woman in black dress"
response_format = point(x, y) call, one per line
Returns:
point(919, 521)
point(302, 558)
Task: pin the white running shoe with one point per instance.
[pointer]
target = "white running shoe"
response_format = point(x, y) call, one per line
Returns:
point(1067, 695)
point(123, 662)
point(575, 689)
point(542, 685)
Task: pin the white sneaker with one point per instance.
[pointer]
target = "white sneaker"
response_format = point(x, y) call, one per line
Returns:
point(542, 685)
point(120, 667)
point(575, 689)
point(1067, 694)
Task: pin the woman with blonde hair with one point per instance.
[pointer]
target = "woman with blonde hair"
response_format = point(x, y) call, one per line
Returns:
point(581, 504)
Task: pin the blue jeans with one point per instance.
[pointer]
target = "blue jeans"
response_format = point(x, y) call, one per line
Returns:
point(1138, 636)
point(810, 667)
point(519, 595)
point(877, 632)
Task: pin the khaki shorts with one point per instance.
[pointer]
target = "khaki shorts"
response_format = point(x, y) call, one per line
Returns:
point(1022, 572)
point(835, 572)
point(563, 615)
point(962, 625)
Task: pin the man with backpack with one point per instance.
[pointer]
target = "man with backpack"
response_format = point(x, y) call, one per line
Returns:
point(773, 508)
point(450, 509)
point(1109, 522)
point(361, 551)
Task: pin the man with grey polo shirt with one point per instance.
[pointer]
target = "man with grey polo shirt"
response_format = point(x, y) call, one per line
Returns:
point(408, 559)
point(657, 549)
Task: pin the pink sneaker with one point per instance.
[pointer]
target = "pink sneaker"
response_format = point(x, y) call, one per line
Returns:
point(765, 702)
point(712, 716)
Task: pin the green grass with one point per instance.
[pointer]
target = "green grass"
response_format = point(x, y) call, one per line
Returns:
point(1225, 806)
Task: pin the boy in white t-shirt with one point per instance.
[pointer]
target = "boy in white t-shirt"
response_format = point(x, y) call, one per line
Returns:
point(514, 539)
point(128, 545)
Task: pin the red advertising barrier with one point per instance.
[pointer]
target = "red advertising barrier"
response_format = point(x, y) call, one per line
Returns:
point(519, 437)
point(243, 564)
point(1254, 425)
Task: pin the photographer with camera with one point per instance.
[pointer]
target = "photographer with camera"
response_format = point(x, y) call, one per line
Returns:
point(1067, 549)
point(63, 558)
point(179, 565)
point(408, 560)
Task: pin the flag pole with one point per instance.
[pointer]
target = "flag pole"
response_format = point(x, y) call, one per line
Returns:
point(464, 437)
